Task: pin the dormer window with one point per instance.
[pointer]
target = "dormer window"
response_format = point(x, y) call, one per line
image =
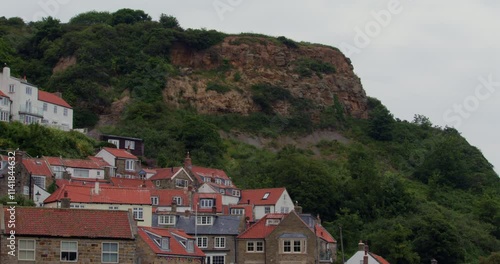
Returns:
point(206, 179)
point(237, 211)
point(162, 242)
point(177, 200)
point(236, 193)
point(204, 220)
point(266, 195)
point(154, 200)
point(222, 191)
point(12, 88)
point(190, 246)
point(181, 183)
point(206, 203)
point(218, 181)
point(227, 182)
point(129, 165)
point(272, 222)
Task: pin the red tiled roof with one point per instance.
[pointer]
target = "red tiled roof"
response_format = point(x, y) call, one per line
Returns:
point(322, 233)
point(52, 98)
point(131, 183)
point(255, 196)
point(216, 196)
point(3, 95)
point(176, 248)
point(107, 195)
point(91, 163)
point(165, 196)
point(380, 259)
point(200, 172)
point(40, 221)
point(4, 158)
point(37, 167)
point(260, 229)
point(120, 153)
point(164, 173)
point(81, 181)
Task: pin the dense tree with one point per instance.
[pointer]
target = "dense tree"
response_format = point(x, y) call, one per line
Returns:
point(129, 16)
point(169, 21)
point(91, 17)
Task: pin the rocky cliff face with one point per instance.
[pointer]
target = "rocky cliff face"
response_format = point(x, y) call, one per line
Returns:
point(242, 61)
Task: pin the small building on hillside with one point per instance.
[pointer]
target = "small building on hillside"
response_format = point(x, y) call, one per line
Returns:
point(90, 168)
point(364, 256)
point(265, 201)
point(5, 107)
point(134, 145)
point(125, 164)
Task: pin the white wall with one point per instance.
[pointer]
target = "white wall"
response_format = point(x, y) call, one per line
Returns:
point(358, 258)
point(284, 201)
point(110, 159)
point(147, 209)
point(58, 119)
point(92, 173)
point(226, 199)
point(259, 211)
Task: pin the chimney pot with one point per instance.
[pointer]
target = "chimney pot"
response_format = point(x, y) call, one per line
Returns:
point(187, 161)
point(361, 246)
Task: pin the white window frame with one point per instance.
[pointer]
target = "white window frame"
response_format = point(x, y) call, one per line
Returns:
point(218, 181)
point(115, 142)
point(219, 242)
point(181, 183)
point(266, 195)
point(69, 251)
point(166, 219)
point(158, 183)
point(45, 107)
point(236, 193)
point(202, 242)
point(177, 200)
point(23, 249)
point(129, 144)
point(29, 90)
point(4, 116)
point(207, 203)
point(55, 109)
point(113, 207)
point(267, 210)
point(210, 259)
point(117, 252)
point(237, 211)
point(204, 220)
point(77, 206)
point(80, 172)
point(292, 245)
point(252, 246)
point(129, 165)
point(155, 200)
point(65, 111)
point(12, 88)
point(138, 213)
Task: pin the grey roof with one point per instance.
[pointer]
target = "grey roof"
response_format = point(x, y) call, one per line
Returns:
point(293, 235)
point(222, 225)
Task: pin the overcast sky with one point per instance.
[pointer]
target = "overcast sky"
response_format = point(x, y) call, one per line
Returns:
point(435, 58)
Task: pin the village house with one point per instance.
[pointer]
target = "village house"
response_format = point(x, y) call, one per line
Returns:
point(90, 168)
point(124, 163)
point(52, 235)
point(134, 145)
point(364, 256)
point(30, 105)
point(167, 203)
point(167, 245)
point(265, 201)
point(172, 178)
point(138, 200)
point(286, 238)
point(5, 107)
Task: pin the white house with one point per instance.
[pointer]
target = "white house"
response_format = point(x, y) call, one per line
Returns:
point(56, 112)
point(29, 105)
point(5, 104)
point(91, 168)
point(265, 201)
point(364, 256)
point(24, 96)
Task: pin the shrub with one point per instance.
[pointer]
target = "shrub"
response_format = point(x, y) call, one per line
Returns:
point(219, 88)
point(288, 42)
point(306, 66)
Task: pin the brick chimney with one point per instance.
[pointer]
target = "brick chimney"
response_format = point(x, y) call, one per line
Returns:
point(65, 202)
point(365, 257)
point(187, 162)
point(361, 246)
point(19, 156)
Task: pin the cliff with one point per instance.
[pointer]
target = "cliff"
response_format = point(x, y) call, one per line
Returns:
point(239, 62)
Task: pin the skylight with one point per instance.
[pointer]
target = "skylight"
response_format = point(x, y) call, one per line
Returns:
point(266, 195)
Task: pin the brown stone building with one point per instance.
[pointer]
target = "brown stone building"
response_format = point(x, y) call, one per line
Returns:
point(172, 178)
point(286, 238)
point(125, 164)
point(49, 235)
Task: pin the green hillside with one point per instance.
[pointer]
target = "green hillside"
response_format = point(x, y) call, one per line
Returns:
point(415, 191)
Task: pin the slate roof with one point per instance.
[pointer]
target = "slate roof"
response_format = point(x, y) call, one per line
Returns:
point(222, 225)
point(120, 153)
point(174, 235)
point(56, 222)
point(52, 98)
point(37, 167)
point(255, 196)
point(107, 195)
